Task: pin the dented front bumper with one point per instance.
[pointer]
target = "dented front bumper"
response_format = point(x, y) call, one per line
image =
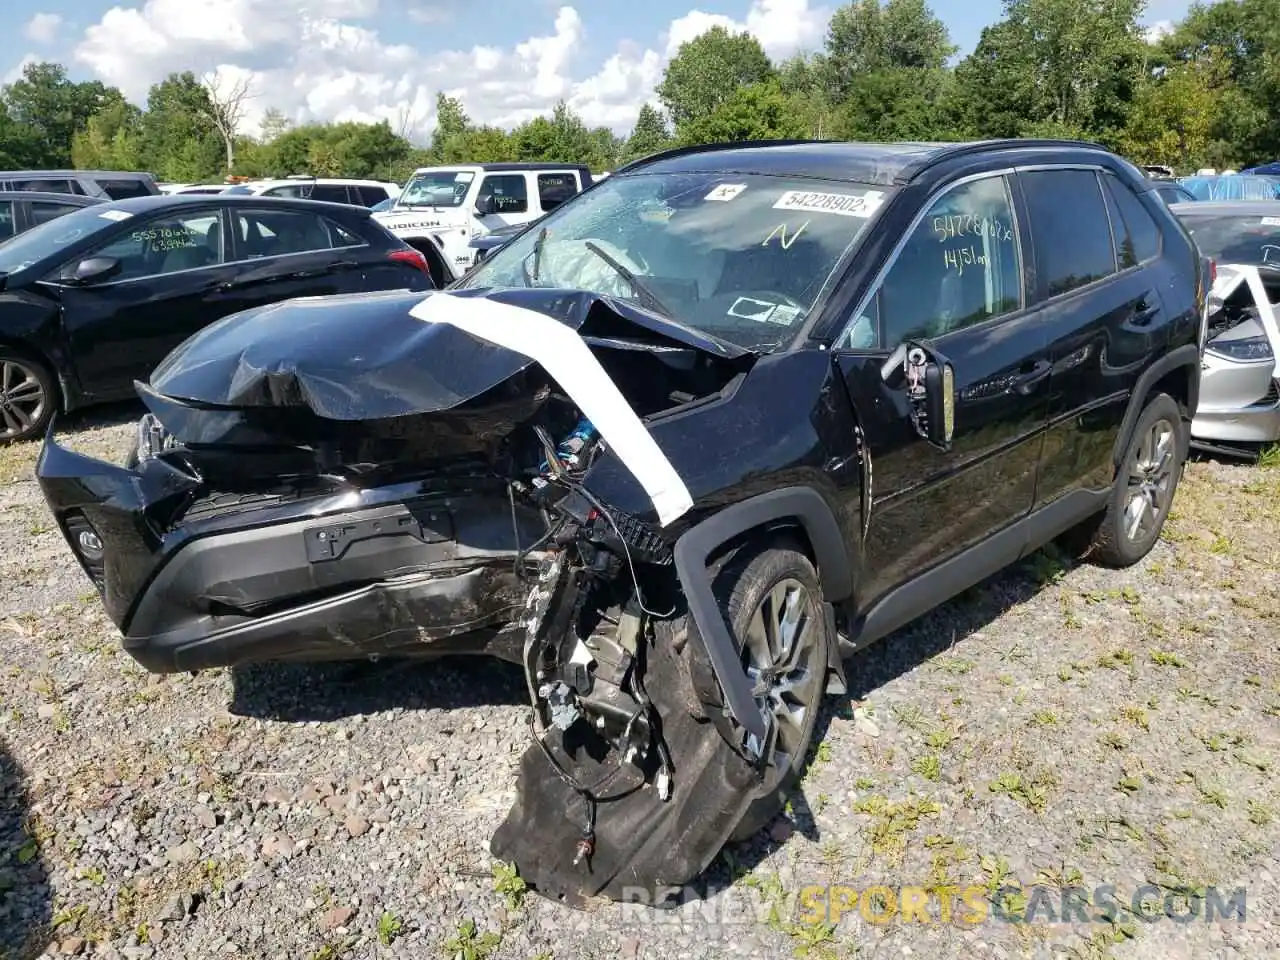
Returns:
point(197, 581)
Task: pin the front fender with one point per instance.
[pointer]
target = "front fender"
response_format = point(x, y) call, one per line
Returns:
point(696, 545)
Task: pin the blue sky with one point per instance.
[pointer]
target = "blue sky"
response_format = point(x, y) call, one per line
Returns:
point(374, 59)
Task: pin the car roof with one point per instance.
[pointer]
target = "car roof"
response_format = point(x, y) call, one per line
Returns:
point(74, 199)
point(880, 163)
point(45, 174)
point(1227, 208)
point(283, 180)
point(505, 166)
point(151, 204)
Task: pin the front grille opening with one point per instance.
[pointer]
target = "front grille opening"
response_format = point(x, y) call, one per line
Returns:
point(1272, 396)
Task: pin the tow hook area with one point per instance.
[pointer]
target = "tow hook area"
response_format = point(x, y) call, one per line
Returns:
point(603, 806)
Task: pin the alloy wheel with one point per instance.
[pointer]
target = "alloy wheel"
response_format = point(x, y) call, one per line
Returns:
point(779, 650)
point(1150, 481)
point(22, 399)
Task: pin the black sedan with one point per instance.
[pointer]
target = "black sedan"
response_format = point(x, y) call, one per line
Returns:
point(20, 210)
point(93, 300)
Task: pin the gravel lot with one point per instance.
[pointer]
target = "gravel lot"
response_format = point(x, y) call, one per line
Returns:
point(1056, 726)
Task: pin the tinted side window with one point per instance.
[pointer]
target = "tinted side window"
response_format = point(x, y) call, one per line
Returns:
point(330, 192)
point(508, 190)
point(1137, 236)
point(270, 233)
point(47, 186)
point(1069, 228)
point(555, 188)
point(121, 189)
point(369, 195)
point(44, 210)
point(167, 244)
point(8, 226)
point(960, 266)
point(342, 237)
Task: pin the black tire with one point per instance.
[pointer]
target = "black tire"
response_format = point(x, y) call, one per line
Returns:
point(743, 587)
point(1119, 541)
point(23, 378)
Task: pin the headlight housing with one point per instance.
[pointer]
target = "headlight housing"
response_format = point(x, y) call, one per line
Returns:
point(1245, 350)
point(153, 438)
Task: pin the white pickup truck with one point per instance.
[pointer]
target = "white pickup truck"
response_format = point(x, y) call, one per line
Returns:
point(442, 209)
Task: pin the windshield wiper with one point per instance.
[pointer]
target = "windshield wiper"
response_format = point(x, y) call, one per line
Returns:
point(531, 277)
point(646, 295)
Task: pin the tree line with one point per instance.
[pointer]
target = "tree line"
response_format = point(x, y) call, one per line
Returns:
point(1200, 95)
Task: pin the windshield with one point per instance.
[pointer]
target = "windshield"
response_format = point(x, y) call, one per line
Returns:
point(740, 257)
point(1234, 238)
point(238, 188)
point(52, 236)
point(436, 188)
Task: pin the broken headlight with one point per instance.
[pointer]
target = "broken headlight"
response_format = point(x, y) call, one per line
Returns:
point(1245, 349)
point(153, 438)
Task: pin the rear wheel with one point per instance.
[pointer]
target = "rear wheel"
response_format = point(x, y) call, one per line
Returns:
point(1144, 487)
point(773, 603)
point(27, 397)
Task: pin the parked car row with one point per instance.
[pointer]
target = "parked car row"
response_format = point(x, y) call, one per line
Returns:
point(92, 301)
point(677, 449)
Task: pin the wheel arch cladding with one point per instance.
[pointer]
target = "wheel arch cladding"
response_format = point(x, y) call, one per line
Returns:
point(1177, 373)
point(803, 506)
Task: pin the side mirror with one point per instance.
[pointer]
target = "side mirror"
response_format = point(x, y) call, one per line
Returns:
point(931, 389)
point(92, 270)
point(486, 204)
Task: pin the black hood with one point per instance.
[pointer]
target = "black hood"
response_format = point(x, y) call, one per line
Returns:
point(359, 357)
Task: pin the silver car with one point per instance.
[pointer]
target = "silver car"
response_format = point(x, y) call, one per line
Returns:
point(1240, 387)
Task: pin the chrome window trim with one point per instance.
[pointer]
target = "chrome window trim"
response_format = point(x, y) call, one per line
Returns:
point(839, 344)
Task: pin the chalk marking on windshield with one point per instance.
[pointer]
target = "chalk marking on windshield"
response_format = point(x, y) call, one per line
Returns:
point(726, 191)
point(1271, 221)
point(841, 204)
point(464, 176)
point(780, 231)
point(1267, 250)
point(566, 357)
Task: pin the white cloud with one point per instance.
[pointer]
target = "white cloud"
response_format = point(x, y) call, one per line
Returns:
point(16, 72)
point(42, 27)
point(316, 60)
point(1157, 30)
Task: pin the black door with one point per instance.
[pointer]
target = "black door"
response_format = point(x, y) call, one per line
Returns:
point(283, 253)
point(957, 283)
point(1100, 307)
point(120, 328)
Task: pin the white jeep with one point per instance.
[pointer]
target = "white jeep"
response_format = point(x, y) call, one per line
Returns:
point(442, 209)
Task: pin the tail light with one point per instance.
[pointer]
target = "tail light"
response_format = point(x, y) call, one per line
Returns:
point(412, 257)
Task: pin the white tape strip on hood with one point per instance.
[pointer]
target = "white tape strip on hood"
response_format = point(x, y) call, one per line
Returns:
point(567, 358)
point(1230, 276)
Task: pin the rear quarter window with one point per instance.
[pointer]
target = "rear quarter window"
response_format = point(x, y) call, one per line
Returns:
point(124, 188)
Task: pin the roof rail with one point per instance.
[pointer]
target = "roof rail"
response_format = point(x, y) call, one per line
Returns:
point(708, 148)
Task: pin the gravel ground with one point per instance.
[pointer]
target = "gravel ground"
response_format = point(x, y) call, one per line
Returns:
point(1056, 727)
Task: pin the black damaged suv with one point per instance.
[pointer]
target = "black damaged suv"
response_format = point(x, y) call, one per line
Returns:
point(676, 450)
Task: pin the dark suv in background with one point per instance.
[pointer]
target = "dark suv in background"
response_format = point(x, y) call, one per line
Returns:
point(709, 427)
point(106, 184)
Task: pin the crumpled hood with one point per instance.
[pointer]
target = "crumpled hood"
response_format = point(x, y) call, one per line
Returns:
point(363, 356)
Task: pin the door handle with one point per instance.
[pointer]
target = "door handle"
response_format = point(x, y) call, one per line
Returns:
point(1145, 310)
point(1027, 380)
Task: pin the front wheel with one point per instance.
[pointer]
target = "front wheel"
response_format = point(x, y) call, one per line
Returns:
point(27, 397)
point(1144, 487)
point(773, 603)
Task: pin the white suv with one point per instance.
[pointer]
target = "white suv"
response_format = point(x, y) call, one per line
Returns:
point(360, 193)
point(442, 209)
